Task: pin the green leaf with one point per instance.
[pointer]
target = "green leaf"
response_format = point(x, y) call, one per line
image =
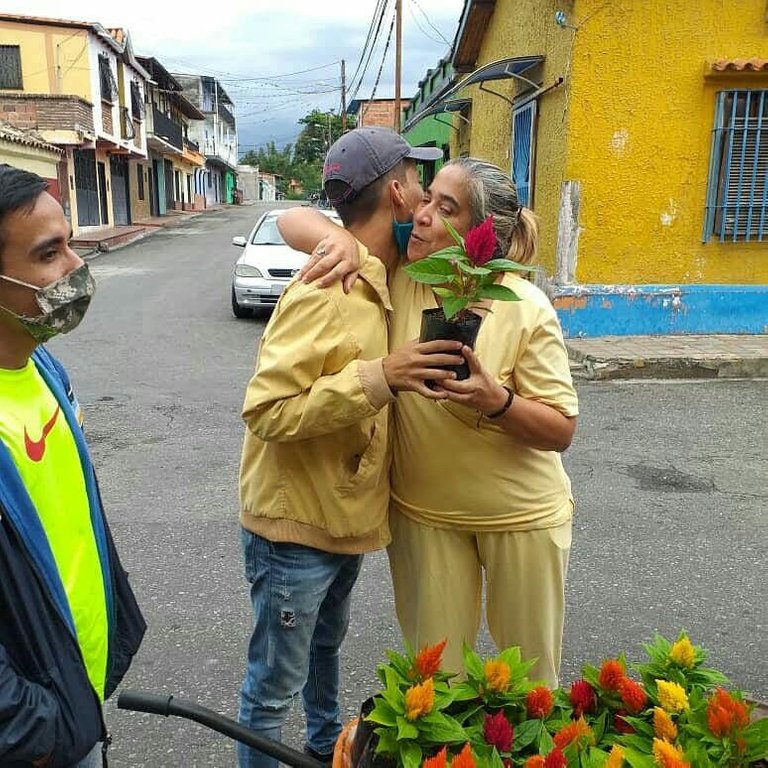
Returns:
point(453, 306)
point(454, 234)
point(430, 272)
point(468, 269)
point(410, 754)
point(526, 733)
point(495, 760)
point(442, 729)
point(443, 293)
point(472, 663)
point(546, 742)
point(638, 759)
point(383, 714)
point(451, 252)
point(507, 265)
point(406, 730)
point(387, 743)
point(498, 292)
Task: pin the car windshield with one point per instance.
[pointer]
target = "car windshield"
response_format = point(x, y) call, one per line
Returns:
point(268, 233)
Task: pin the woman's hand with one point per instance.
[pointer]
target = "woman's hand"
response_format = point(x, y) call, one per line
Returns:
point(336, 257)
point(480, 391)
point(409, 368)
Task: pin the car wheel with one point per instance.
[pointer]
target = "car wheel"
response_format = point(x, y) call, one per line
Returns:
point(237, 310)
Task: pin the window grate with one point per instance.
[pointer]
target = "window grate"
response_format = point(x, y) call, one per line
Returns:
point(737, 192)
point(523, 123)
point(137, 103)
point(10, 68)
point(107, 80)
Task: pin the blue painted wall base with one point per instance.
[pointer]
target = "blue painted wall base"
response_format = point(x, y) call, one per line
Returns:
point(639, 310)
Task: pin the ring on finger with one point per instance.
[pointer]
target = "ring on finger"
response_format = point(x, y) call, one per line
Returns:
point(320, 251)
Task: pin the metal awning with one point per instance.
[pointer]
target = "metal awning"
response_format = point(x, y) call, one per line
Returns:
point(455, 105)
point(496, 70)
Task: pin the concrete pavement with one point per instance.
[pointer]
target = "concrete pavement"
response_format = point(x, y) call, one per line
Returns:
point(669, 357)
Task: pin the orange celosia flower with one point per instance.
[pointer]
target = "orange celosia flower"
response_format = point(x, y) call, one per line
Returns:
point(497, 675)
point(440, 760)
point(682, 653)
point(672, 696)
point(535, 761)
point(539, 702)
point(611, 674)
point(578, 730)
point(464, 759)
point(428, 660)
point(663, 725)
point(632, 694)
point(419, 700)
point(667, 756)
point(615, 758)
point(725, 713)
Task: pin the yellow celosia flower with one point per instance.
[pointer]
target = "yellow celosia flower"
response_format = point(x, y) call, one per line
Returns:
point(663, 725)
point(682, 653)
point(672, 696)
point(668, 756)
point(419, 700)
point(497, 675)
point(615, 758)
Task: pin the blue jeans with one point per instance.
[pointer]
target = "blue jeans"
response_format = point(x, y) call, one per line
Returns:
point(301, 599)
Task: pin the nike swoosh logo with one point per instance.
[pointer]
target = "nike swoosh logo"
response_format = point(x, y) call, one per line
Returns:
point(36, 448)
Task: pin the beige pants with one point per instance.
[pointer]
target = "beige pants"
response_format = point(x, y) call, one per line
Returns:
point(438, 577)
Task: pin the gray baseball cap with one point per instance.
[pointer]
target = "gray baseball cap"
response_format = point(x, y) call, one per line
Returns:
point(363, 155)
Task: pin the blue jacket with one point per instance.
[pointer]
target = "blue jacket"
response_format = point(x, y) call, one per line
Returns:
point(47, 704)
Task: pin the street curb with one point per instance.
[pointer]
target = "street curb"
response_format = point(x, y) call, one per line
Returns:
point(599, 368)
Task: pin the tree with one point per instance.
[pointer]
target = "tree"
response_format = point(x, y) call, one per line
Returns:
point(320, 130)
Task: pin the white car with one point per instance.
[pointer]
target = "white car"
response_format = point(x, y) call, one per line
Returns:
point(266, 267)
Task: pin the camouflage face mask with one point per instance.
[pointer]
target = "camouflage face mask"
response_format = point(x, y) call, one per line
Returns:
point(63, 304)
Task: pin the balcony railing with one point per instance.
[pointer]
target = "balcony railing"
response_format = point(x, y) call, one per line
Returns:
point(226, 115)
point(191, 145)
point(166, 129)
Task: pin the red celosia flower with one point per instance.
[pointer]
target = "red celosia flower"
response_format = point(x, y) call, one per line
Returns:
point(498, 732)
point(428, 660)
point(464, 759)
point(620, 724)
point(539, 703)
point(556, 759)
point(611, 673)
point(583, 699)
point(633, 695)
point(480, 242)
point(725, 714)
point(440, 760)
point(578, 730)
point(535, 761)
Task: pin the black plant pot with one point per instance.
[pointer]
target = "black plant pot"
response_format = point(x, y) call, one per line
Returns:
point(464, 327)
point(365, 741)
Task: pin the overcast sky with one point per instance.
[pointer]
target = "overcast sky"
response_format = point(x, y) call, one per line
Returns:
point(250, 46)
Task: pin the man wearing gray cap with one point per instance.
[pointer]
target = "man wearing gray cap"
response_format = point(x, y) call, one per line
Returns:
point(314, 486)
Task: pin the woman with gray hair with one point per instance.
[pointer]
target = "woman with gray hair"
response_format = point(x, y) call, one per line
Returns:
point(479, 492)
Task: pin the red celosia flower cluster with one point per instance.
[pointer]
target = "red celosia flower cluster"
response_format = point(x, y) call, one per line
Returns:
point(440, 760)
point(464, 759)
point(539, 703)
point(480, 243)
point(583, 698)
point(498, 732)
point(428, 661)
point(725, 714)
point(633, 695)
point(620, 724)
point(555, 759)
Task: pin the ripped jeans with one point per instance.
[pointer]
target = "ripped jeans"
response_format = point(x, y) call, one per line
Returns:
point(301, 599)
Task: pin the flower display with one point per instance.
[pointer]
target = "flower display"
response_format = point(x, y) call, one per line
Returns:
point(464, 274)
point(675, 716)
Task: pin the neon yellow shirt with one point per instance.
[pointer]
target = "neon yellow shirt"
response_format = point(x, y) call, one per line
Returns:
point(452, 468)
point(42, 446)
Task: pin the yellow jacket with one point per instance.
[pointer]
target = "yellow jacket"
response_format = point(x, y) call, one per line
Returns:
point(315, 463)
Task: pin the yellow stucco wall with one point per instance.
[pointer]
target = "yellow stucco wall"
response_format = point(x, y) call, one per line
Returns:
point(53, 59)
point(632, 124)
point(639, 138)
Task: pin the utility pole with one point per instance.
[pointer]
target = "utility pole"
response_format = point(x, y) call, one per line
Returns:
point(343, 98)
point(398, 58)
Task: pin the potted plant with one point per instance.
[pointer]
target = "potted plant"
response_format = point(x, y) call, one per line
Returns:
point(670, 711)
point(462, 276)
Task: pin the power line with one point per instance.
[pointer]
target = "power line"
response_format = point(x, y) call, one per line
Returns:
point(421, 29)
point(381, 66)
point(376, 12)
point(361, 77)
point(428, 20)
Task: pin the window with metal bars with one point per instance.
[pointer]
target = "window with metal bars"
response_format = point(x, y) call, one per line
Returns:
point(523, 141)
point(137, 103)
point(107, 80)
point(10, 67)
point(737, 190)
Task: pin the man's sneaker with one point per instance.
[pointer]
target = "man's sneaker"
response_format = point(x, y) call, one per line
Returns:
point(324, 759)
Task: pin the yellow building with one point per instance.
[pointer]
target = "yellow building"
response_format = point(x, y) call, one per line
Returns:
point(81, 88)
point(638, 132)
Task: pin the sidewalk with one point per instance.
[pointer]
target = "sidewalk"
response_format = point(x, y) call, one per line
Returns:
point(111, 238)
point(669, 357)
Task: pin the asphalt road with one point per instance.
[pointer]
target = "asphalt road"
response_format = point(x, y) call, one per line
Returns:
point(670, 481)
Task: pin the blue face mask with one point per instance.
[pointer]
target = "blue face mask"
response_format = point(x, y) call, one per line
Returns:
point(402, 232)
